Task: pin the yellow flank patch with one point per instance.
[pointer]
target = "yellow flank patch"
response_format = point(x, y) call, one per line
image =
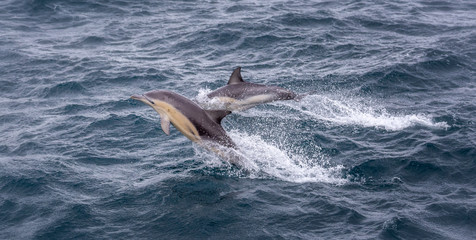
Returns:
point(247, 101)
point(233, 104)
point(256, 99)
point(180, 122)
point(226, 99)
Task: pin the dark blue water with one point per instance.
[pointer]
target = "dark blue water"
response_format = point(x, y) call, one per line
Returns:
point(384, 147)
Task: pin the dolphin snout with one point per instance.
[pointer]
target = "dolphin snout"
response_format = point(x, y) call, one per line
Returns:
point(142, 98)
point(137, 97)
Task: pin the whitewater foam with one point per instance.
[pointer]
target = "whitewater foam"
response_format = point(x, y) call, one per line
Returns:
point(336, 109)
point(339, 110)
point(208, 103)
point(264, 160)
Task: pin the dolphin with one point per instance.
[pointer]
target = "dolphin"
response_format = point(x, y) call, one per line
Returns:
point(241, 95)
point(199, 125)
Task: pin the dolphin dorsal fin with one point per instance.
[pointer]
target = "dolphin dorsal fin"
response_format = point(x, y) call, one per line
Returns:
point(235, 77)
point(217, 115)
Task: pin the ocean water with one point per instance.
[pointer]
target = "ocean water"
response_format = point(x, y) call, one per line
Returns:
point(384, 147)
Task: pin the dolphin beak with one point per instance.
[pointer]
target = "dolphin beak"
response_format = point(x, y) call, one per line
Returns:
point(143, 98)
point(138, 97)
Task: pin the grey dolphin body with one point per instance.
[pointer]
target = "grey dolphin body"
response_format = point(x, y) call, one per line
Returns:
point(199, 125)
point(241, 95)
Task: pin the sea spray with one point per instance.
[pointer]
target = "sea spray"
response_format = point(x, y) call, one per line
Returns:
point(339, 110)
point(264, 160)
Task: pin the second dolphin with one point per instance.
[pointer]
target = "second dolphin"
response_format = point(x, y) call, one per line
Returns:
point(241, 95)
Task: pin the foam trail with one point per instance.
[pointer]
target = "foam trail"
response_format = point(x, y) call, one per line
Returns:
point(339, 110)
point(353, 111)
point(267, 161)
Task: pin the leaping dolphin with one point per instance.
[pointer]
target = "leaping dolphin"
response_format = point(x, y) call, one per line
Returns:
point(199, 125)
point(241, 95)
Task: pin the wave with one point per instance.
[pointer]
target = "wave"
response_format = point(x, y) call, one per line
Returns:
point(64, 89)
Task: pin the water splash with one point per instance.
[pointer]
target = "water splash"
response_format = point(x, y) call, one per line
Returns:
point(337, 110)
point(263, 160)
point(208, 103)
point(340, 110)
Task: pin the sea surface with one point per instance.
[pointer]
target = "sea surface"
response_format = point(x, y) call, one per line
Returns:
point(383, 147)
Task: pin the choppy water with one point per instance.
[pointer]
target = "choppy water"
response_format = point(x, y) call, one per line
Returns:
point(384, 147)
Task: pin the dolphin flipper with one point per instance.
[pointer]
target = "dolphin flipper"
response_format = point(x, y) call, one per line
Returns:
point(165, 123)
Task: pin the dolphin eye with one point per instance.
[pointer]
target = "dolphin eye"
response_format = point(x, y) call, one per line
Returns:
point(151, 101)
